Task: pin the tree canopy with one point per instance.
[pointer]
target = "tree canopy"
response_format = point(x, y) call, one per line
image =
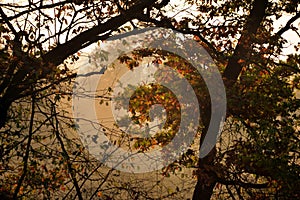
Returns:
point(257, 154)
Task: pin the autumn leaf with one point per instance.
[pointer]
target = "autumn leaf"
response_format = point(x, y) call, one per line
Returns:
point(240, 61)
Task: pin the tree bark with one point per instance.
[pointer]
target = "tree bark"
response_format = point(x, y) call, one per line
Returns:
point(206, 176)
point(204, 191)
point(243, 48)
point(3, 113)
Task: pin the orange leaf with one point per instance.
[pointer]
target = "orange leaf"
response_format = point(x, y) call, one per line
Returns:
point(63, 188)
point(196, 38)
point(241, 61)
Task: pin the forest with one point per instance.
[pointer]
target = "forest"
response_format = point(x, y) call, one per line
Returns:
point(150, 99)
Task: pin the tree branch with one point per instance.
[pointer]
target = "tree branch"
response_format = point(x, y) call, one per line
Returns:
point(66, 157)
point(256, 16)
point(35, 9)
point(61, 52)
point(26, 156)
point(288, 25)
point(243, 184)
point(6, 20)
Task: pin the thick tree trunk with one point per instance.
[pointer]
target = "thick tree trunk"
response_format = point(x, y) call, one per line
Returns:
point(204, 191)
point(206, 176)
point(3, 113)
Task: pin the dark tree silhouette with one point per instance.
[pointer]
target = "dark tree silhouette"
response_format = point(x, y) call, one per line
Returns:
point(40, 40)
